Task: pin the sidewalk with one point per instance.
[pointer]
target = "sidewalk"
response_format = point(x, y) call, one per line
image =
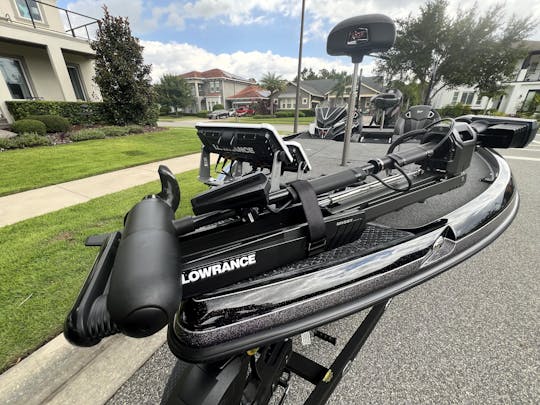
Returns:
point(32, 203)
point(59, 373)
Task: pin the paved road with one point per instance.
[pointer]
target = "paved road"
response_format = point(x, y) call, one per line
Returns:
point(467, 336)
point(191, 124)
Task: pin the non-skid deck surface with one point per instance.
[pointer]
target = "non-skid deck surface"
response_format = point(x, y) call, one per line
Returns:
point(325, 158)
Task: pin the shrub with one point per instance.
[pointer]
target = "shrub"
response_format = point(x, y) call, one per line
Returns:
point(77, 112)
point(86, 134)
point(29, 126)
point(135, 129)
point(308, 113)
point(496, 113)
point(115, 131)
point(455, 110)
point(288, 113)
point(53, 123)
point(202, 114)
point(217, 107)
point(24, 141)
point(164, 110)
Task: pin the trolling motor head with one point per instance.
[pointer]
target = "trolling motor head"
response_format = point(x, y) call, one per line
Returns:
point(361, 35)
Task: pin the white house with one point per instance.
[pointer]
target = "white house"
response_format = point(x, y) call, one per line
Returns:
point(45, 54)
point(519, 91)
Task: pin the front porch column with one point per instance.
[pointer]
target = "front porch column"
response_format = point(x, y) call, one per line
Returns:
point(60, 70)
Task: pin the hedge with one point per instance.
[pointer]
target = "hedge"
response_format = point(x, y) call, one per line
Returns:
point(53, 123)
point(202, 114)
point(77, 112)
point(288, 113)
point(29, 126)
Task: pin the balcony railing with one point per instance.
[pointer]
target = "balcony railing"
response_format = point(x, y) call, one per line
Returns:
point(76, 24)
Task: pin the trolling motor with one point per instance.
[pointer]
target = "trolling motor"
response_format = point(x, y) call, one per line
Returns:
point(133, 287)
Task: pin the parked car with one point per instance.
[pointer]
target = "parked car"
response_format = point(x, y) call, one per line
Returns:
point(232, 112)
point(214, 115)
point(241, 111)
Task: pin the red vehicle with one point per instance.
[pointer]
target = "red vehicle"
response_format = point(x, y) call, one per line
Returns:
point(244, 110)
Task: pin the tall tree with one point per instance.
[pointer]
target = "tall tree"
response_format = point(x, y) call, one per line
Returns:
point(122, 77)
point(174, 92)
point(274, 83)
point(470, 49)
point(342, 81)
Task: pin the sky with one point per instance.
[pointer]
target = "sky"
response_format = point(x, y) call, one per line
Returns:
point(250, 38)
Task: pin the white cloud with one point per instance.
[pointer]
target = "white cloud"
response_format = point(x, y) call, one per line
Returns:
point(321, 15)
point(181, 58)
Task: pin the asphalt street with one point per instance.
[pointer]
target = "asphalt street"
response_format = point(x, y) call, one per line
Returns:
point(467, 336)
point(191, 124)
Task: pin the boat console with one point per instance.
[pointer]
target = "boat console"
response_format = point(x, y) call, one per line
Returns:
point(248, 148)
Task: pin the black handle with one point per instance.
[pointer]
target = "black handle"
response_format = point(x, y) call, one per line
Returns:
point(89, 321)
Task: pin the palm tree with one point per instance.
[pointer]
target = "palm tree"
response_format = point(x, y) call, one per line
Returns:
point(274, 83)
point(342, 81)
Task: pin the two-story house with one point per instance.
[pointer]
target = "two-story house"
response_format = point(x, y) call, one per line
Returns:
point(45, 54)
point(519, 92)
point(313, 92)
point(214, 86)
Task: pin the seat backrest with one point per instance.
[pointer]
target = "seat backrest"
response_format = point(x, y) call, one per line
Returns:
point(416, 117)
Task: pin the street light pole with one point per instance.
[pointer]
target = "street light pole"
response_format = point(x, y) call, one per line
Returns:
point(296, 108)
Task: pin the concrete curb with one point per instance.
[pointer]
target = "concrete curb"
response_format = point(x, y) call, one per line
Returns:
point(60, 373)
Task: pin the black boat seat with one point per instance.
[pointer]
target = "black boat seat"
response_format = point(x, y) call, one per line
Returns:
point(416, 117)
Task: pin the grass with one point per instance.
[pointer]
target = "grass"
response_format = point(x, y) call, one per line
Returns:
point(26, 169)
point(44, 264)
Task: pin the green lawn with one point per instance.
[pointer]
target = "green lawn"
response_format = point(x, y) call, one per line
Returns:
point(44, 264)
point(25, 169)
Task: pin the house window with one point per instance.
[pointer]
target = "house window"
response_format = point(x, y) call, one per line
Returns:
point(455, 97)
point(532, 102)
point(214, 86)
point(75, 76)
point(304, 101)
point(467, 97)
point(29, 9)
point(15, 78)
